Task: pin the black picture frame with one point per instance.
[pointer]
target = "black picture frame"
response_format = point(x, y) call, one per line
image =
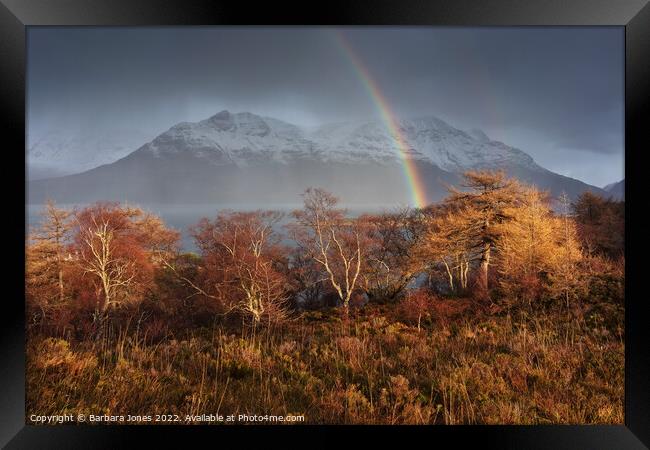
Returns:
point(16, 15)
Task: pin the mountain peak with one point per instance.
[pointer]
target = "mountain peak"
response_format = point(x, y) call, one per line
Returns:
point(244, 123)
point(479, 135)
point(222, 115)
point(226, 115)
point(222, 120)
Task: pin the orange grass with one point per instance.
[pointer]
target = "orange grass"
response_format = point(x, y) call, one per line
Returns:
point(366, 369)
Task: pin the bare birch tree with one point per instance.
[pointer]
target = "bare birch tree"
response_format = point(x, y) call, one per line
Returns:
point(120, 248)
point(242, 259)
point(98, 257)
point(333, 240)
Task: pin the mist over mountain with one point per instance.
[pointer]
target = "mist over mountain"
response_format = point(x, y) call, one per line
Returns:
point(616, 190)
point(55, 153)
point(246, 159)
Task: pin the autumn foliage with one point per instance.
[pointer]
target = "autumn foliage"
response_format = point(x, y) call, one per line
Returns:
point(243, 264)
point(339, 309)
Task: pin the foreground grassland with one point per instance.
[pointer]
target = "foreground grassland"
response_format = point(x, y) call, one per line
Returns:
point(364, 369)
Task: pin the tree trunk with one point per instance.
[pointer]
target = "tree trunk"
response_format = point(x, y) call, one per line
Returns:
point(61, 293)
point(451, 276)
point(484, 266)
point(464, 270)
point(107, 298)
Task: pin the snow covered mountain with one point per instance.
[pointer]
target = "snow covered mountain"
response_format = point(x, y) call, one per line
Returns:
point(244, 139)
point(247, 158)
point(55, 153)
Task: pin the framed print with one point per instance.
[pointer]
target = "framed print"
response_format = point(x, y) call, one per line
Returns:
point(375, 218)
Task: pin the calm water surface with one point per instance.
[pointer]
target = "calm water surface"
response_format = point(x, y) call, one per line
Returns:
point(181, 217)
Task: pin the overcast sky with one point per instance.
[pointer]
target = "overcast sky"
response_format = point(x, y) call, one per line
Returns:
point(556, 93)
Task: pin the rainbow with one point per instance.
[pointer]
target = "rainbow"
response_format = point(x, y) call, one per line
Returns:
point(416, 187)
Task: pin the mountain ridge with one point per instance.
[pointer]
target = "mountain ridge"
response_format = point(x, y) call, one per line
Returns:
point(208, 158)
point(616, 190)
point(242, 135)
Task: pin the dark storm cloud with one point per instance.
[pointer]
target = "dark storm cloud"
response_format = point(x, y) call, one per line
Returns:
point(556, 93)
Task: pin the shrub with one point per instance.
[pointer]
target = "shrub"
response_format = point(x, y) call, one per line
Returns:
point(416, 306)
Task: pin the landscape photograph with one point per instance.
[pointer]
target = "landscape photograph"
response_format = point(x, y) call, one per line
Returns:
point(325, 226)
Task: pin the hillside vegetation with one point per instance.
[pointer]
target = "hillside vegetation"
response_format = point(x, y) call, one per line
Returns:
point(498, 305)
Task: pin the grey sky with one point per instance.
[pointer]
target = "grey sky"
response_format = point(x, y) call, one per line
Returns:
point(556, 93)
